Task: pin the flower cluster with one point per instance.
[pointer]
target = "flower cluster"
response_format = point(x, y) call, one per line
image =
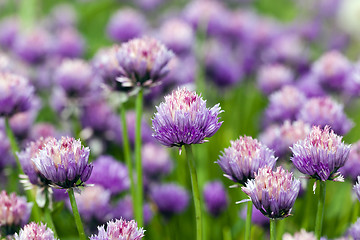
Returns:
point(35, 231)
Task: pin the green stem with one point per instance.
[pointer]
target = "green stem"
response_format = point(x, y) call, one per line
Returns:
point(248, 221)
point(272, 229)
point(195, 190)
point(47, 214)
point(77, 218)
point(13, 143)
point(138, 165)
point(320, 210)
point(127, 151)
point(355, 213)
point(280, 229)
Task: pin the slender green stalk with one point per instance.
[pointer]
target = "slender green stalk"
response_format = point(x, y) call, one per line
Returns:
point(47, 214)
point(139, 190)
point(77, 218)
point(195, 190)
point(280, 229)
point(355, 212)
point(272, 229)
point(248, 221)
point(320, 210)
point(127, 151)
point(13, 144)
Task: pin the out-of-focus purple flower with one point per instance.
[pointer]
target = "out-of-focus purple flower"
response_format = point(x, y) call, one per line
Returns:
point(215, 197)
point(243, 159)
point(170, 198)
point(35, 231)
point(177, 35)
point(273, 193)
point(352, 83)
point(143, 61)
point(302, 235)
point(310, 86)
point(93, 203)
point(320, 154)
point(221, 66)
point(256, 217)
point(184, 119)
point(209, 16)
point(156, 161)
point(111, 174)
point(69, 43)
point(146, 132)
point(272, 77)
point(182, 72)
point(351, 169)
point(97, 115)
point(42, 130)
point(63, 15)
point(280, 138)
point(15, 94)
point(22, 122)
point(14, 212)
point(64, 162)
point(284, 105)
point(357, 188)
point(332, 69)
point(149, 5)
point(354, 230)
point(6, 64)
point(33, 47)
point(126, 24)
point(124, 209)
point(78, 84)
point(29, 168)
point(9, 28)
point(5, 150)
point(119, 229)
point(324, 111)
point(107, 67)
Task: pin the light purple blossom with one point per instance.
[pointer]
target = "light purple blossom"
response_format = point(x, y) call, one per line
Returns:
point(352, 83)
point(325, 111)
point(256, 217)
point(126, 24)
point(14, 211)
point(243, 159)
point(184, 119)
point(15, 94)
point(124, 209)
point(69, 43)
point(35, 231)
point(351, 169)
point(64, 162)
point(215, 197)
point(143, 61)
point(9, 28)
point(169, 198)
point(273, 192)
point(119, 229)
point(111, 174)
point(272, 77)
point(156, 161)
point(320, 154)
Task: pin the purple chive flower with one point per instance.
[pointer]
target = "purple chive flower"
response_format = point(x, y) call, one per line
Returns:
point(169, 198)
point(215, 197)
point(351, 169)
point(40, 130)
point(320, 154)
point(111, 174)
point(302, 235)
point(284, 105)
point(156, 161)
point(78, 84)
point(310, 86)
point(184, 119)
point(272, 77)
point(93, 203)
point(354, 230)
point(177, 35)
point(149, 5)
point(64, 162)
point(183, 71)
point(146, 132)
point(332, 69)
point(243, 159)
point(256, 217)
point(281, 138)
point(143, 61)
point(273, 193)
point(124, 209)
point(126, 24)
point(34, 46)
point(69, 43)
point(119, 229)
point(63, 15)
point(221, 66)
point(29, 168)
point(9, 28)
point(14, 212)
point(325, 111)
point(15, 94)
point(352, 84)
point(357, 188)
point(35, 231)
